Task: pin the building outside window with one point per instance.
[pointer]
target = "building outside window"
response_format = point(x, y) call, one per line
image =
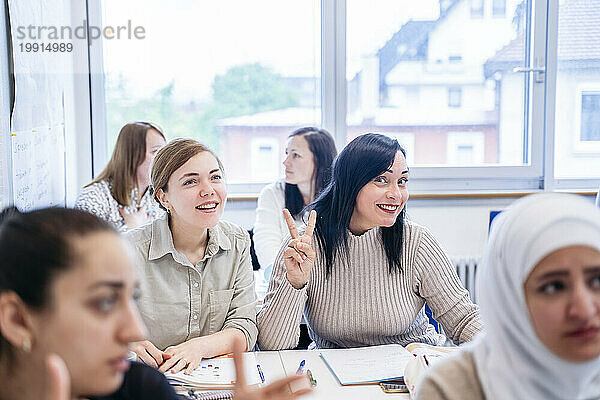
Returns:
point(577, 110)
point(407, 141)
point(465, 148)
point(236, 85)
point(265, 158)
point(590, 117)
point(423, 68)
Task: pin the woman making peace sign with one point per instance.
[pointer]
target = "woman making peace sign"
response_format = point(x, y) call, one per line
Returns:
point(364, 276)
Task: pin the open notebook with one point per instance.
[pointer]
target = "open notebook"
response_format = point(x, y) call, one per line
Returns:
point(367, 365)
point(216, 373)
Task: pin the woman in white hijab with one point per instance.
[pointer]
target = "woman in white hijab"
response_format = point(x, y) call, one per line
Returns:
point(539, 293)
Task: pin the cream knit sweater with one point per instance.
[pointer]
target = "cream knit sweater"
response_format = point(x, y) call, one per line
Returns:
point(361, 303)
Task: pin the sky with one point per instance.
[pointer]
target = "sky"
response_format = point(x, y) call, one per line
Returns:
point(190, 41)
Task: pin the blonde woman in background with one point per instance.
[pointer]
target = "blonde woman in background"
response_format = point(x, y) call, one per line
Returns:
point(120, 193)
point(196, 280)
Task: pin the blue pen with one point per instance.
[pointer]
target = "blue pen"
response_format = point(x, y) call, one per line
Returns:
point(260, 373)
point(300, 367)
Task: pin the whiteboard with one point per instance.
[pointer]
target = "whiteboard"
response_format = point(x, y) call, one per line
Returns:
point(37, 128)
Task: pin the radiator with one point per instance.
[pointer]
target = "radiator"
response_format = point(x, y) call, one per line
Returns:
point(466, 268)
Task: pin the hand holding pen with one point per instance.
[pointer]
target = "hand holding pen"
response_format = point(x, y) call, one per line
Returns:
point(300, 371)
point(300, 367)
point(278, 390)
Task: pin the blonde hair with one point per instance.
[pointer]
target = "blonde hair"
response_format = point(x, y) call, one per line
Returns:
point(128, 154)
point(170, 158)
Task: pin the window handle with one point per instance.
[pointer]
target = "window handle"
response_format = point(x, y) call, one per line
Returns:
point(523, 69)
point(540, 71)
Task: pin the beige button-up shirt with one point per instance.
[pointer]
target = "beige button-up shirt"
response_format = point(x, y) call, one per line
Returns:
point(180, 301)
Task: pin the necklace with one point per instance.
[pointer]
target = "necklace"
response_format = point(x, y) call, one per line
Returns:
point(135, 197)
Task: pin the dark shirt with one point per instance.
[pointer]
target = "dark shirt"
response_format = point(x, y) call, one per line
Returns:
point(142, 382)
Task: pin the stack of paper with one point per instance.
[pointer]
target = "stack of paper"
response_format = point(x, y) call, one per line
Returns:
point(216, 373)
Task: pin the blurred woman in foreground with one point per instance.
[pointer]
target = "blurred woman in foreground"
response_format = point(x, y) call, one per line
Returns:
point(67, 313)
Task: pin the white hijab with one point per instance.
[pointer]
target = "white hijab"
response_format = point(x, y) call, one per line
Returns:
point(511, 361)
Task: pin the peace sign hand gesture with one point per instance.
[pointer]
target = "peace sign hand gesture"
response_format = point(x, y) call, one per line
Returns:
point(299, 256)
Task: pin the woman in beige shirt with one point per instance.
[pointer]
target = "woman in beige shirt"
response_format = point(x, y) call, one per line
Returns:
point(196, 281)
point(539, 291)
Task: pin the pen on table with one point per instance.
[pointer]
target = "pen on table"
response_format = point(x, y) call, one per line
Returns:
point(260, 373)
point(313, 381)
point(300, 367)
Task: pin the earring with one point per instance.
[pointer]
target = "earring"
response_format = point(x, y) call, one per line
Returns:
point(26, 345)
point(169, 210)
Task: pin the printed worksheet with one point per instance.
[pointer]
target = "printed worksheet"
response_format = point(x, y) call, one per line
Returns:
point(367, 364)
point(218, 372)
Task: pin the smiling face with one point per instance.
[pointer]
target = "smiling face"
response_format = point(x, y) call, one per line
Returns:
point(196, 193)
point(381, 200)
point(299, 161)
point(154, 141)
point(92, 317)
point(563, 297)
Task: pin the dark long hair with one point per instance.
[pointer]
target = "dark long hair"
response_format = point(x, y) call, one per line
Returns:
point(361, 161)
point(35, 247)
point(322, 147)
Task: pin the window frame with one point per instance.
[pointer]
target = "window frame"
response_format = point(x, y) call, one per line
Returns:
point(537, 173)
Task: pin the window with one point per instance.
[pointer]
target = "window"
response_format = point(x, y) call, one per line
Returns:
point(584, 140)
point(499, 8)
point(465, 148)
point(577, 98)
point(590, 117)
point(473, 100)
point(477, 8)
point(265, 159)
point(228, 73)
point(456, 66)
point(454, 97)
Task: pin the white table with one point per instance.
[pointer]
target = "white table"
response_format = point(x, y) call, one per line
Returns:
point(278, 364)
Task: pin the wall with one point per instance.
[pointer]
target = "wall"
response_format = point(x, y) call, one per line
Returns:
point(78, 141)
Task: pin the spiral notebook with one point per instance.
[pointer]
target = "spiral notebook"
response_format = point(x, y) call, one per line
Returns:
point(216, 373)
point(215, 395)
